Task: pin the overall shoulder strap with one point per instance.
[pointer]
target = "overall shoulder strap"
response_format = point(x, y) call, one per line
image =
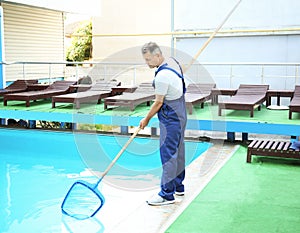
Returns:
point(166, 67)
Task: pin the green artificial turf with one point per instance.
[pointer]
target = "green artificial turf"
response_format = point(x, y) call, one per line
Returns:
point(209, 112)
point(246, 198)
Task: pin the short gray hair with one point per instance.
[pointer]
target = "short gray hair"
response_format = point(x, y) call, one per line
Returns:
point(152, 48)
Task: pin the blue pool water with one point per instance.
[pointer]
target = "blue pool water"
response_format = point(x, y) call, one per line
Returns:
point(37, 168)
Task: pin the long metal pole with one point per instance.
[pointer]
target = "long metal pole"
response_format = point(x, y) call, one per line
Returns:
point(172, 28)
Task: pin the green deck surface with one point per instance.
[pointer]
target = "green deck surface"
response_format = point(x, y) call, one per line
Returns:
point(259, 197)
point(209, 112)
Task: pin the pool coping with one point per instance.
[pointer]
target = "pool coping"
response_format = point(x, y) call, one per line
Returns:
point(150, 219)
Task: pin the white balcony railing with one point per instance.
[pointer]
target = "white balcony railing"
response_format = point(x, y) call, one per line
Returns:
point(225, 75)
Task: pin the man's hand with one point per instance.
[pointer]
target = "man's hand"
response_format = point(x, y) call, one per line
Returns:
point(143, 123)
point(159, 99)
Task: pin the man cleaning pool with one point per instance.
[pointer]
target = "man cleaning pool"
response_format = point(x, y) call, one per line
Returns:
point(169, 105)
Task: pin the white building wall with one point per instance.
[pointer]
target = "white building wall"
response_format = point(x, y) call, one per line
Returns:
point(257, 32)
point(128, 22)
point(203, 14)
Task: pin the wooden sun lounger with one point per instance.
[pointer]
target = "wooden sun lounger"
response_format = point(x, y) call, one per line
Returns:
point(93, 95)
point(130, 100)
point(295, 102)
point(18, 86)
point(271, 149)
point(248, 97)
point(143, 94)
point(198, 93)
point(56, 88)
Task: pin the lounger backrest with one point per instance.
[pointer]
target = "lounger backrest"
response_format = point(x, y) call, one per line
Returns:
point(85, 80)
point(249, 89)
point(146, 84)
point(145, 90)
point(21, 84)
point(60, 85)
point(104, 85)
point(145, 87)
point(297, 91)
point(200, 88)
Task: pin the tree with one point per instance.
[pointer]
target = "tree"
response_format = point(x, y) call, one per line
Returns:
point(81, 47)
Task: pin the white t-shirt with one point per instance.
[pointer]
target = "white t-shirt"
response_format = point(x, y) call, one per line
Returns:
point(168, 83)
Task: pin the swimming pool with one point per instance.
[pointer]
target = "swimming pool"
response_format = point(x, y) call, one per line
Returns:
point(38, 167)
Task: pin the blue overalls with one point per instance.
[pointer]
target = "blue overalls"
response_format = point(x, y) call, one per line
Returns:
point(172, 122)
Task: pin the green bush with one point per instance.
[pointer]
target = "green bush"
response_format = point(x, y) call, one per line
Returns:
point(81, 48)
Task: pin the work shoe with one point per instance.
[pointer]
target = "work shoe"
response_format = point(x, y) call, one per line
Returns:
point(179, 193)
point(158, 200)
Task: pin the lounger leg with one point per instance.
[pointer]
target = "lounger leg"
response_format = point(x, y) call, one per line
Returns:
point(251, 113)
point(249, 155)
point(268, 101)
point(214, 99)
point(220, 111)
point(190, 109)
point(77, 104)
point(27, 103)
point(290, 114)
point(53, 104)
